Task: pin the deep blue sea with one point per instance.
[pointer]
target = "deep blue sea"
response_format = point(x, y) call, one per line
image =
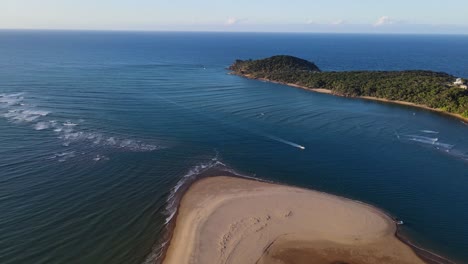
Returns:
point(99, 129)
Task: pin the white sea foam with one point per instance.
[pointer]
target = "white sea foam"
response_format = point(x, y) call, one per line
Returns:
point(70, 135)
point(24, 115)
point(13, 108)
point(169, 217)
point(191, 175)
point(99, 157)
point(155, 254)
point(7, 100)
point(171, 209)
point(69, 124)
point(111, 141)
point(42, 125)
point(64, 156)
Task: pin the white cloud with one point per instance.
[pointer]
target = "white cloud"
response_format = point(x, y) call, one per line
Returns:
point(335, 22)
point(338, 22)
point(385, 20)
point(232, 21)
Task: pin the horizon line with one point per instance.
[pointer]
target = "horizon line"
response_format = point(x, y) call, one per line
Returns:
point(228, 31)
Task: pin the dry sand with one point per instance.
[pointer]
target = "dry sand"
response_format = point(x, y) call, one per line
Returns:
point(233, 220)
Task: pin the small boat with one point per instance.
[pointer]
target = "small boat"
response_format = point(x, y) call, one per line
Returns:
point(398, 221)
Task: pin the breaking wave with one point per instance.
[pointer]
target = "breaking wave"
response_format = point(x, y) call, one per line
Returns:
point(175, 195)
point(24, 115)
point(189, 177)
point(15, 108)
point(42, 125)
point(99, 157)
point(64, 156)
point(11, 99)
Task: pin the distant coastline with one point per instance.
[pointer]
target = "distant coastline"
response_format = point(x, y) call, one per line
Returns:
point(434, 91)
point(370, 98)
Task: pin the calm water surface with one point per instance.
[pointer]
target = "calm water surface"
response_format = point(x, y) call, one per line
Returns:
point(98, 129)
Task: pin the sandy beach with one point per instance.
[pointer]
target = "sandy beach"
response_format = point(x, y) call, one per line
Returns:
point(328, 91)
point(234, 220)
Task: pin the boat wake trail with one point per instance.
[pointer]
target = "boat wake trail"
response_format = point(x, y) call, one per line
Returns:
point(433, 143)
point(428, 141)
point(239, 126)
point(285, 142)
point(429, 131)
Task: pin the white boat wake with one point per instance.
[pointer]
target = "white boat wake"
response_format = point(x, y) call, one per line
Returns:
point(286, 142)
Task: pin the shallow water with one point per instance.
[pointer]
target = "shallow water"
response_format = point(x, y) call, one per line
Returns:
point(99, 128)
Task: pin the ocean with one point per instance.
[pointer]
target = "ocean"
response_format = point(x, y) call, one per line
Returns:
point(99, 131)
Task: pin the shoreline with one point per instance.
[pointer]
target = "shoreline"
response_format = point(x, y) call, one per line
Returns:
point(158, 254)
point(370, 98)
point(423, 255)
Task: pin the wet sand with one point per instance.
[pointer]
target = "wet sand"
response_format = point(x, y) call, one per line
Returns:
point(234, 220)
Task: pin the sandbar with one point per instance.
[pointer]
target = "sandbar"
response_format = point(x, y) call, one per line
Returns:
point(234, 220)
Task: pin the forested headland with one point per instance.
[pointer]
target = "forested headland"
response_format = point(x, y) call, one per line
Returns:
point(435, 90)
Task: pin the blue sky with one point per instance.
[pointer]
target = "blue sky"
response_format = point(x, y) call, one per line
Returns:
point(346, 16)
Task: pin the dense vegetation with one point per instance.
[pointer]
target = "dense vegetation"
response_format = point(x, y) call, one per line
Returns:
point(432, 89)
point(275, 64)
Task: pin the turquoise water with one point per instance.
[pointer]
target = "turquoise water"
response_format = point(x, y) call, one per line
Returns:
point(99, 129)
